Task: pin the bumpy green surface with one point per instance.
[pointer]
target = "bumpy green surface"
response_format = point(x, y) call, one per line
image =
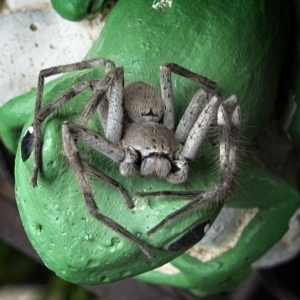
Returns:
point(238, 44)
point(275, 201)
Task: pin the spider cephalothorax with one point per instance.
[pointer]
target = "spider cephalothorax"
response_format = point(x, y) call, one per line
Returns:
point(156, 150)
point(140, 134)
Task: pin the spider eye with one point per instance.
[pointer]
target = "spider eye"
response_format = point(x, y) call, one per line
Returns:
point(193, 236)
point(27, 143)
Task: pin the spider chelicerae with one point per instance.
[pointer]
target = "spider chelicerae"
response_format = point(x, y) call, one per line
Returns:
point(140, 134)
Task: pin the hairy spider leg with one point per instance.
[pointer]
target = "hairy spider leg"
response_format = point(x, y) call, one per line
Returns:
point(113, 82)
point(229, 136)
point(193, 139)
point(167, 90)
point(104, 146)
point(97, 97)
point(235, 133)
point(114, 126)
point(201, 127)
point(81, 168)
point(190, 115)
point(42, 113)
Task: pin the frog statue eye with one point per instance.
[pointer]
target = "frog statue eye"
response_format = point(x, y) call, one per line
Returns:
point(193, 236)
point(27, 143)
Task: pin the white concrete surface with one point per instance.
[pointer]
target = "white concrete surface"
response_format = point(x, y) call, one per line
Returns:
point(32, 38)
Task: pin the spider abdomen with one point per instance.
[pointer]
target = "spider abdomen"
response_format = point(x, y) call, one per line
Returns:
point(143, 103)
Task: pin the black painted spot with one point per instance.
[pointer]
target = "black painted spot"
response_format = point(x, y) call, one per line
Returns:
point(193, 236)
point(27, 144)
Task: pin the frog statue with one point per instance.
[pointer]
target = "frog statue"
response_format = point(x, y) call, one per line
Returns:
point(124, 163)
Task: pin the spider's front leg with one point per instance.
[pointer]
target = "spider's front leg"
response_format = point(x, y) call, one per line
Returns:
point(180, 174)
point(167, 91)
point(229, 143)
point(191, 132)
